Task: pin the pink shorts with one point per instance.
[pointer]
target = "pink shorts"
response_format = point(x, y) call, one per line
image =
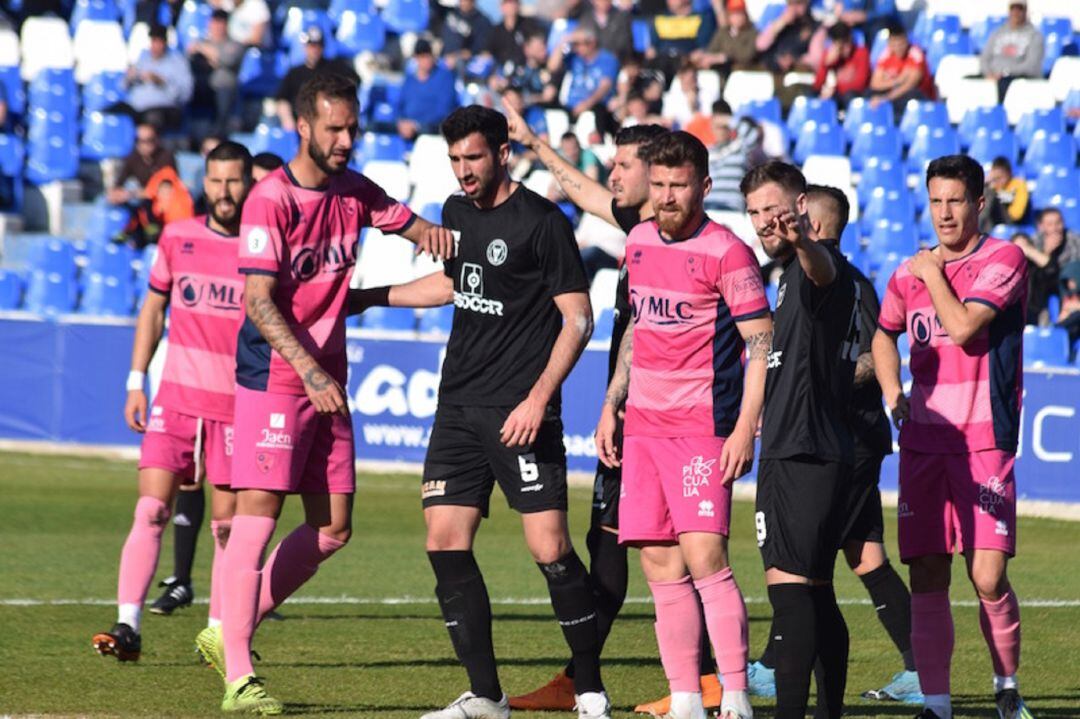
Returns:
point(181, 444)
point(671, 485)
point(284, 445)
point(956, 502)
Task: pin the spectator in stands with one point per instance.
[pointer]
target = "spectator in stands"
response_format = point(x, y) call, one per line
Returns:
point(506, 43)
point(1014, 50)
point(584, 161)
point(1069, 316)
point(734, 44)
point(612, 27)
point(636, 111)
point(167, 201)
point(315, 60)
point(793, 41)
point(263, 164)
point(644, 85)
point(593, 72)
point(215, 63)
point(427, 96)
point(735, 149)
point(465, 33)
point(1006, 197)
point(523, 159)
point(844, 73)
point(867, 16)
point(678, 33)
point(683, 103)
point(147, 158)
point(537, 83)
point(159, 83)
point(1053, 247)
point(901, 73)
point(153, 12)
point(249, 23)
point(3, 108)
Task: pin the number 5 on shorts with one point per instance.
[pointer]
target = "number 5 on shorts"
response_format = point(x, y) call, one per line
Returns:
point(527, 466)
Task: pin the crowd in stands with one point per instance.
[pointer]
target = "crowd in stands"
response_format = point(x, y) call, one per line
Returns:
point(811, 80)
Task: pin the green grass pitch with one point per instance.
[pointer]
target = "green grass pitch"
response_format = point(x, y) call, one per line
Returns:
point(356, 653)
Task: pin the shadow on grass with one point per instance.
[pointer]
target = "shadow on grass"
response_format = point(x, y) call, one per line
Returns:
point(624, 617)
point(553, 662)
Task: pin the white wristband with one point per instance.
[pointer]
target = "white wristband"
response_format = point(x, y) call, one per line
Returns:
point(135, 380)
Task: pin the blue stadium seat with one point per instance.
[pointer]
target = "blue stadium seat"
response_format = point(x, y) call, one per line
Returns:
point(107, 136)
point(43, 124)
point(1070, 209)
point(927, 235)
point(93, 10)
point(926, 26)
point(14, 90)
point(403, 16)
point(642, 35)
point(54, 255)
point(806, 109)
point(859, 112)
point(12, 162)
point(281, 142)
point(880, 268)
point(771, 12)
point(1053, 306)
point(104, 90)
point(106, 296)
point(432, 212)
point(1046, 346)
point(193, 22)
point(50, 293)
point(54, 89)
point(382, 146)
point(11, 290)
point(258, 76)
point(878, 172)
point(877, 47)
point(989, 144)
point(54, 157)
point(437, 319)
point(111, 259)
point(338, 8)
point(850, 240)
point(919, 114)
point(1051, 120)
point(1076, 136)
point(389, 318)
point(930, 143)
point(361, 32)
point(987, 118)
point(1056, 44)
point(983, 29)
point(763, 110)
point(299, 20)
point(881, 141)
point(604, 326)
point(889, 236)
point(818, 138)
point(379, 102)
point(944, 43)
point(891, 205)
point(107, 221)
point(1049, 148)
point(1054, 180)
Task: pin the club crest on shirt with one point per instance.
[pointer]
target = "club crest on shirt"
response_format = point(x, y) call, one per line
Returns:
point(693, 265)
point(264, 461)
point(257, 240)
point(497, 252)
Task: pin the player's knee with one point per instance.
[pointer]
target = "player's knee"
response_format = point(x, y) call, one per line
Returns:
point(550, 549)
point(152, 513)
point(447, 540)
point(338, 535)
point(989, 582)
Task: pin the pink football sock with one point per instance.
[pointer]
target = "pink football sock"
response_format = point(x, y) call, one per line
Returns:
point(219, 529)
point(725, 616)
point(932, 640)
point(678, 632)
point(294, 561)
point(139, 558)
point(1000, 623)
point(243, 556)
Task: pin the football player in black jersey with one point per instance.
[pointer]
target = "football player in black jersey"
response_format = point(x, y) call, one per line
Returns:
point(521, 319)
point(806, 445)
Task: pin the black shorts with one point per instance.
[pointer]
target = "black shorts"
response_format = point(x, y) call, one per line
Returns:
point(465, 459)
point(800, 514)
point(862, 502)
point(606, 490)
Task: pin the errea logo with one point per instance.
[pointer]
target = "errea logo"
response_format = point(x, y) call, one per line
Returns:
point(706, 509)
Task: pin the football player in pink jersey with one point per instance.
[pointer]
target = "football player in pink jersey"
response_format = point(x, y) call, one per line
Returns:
point(188, 429)
point(691, 414)
point(300, 235)
point(963, 305)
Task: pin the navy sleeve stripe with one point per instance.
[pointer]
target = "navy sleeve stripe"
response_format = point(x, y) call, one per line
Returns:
point(163, 293)
point(408, 223)
point(889, 331)
point(752, 315)
point(989, 303)
point(257, 271)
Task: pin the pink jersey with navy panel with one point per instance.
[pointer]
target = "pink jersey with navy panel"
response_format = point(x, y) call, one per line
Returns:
point(963, 398)
point(308, 238)
point(196, 269)
point(686, 375)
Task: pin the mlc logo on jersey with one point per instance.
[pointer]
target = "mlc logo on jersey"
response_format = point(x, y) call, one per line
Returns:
point(221, 297)
point(497, 252)
point(333, 259)
point(660, 310)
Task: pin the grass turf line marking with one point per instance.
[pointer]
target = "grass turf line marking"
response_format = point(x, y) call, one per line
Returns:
point(505, 601)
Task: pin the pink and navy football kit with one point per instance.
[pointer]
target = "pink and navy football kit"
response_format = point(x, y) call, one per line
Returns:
point(196, 269)
point(686, 377)
point(958, 444)
point(308, 239)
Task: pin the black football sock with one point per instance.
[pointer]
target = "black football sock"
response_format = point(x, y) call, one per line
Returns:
point(768, 657)
point(794, 645)
point(187, 522)
point(609, 578)
point(575, 607)
point(832, 644)
point(893, 603)
point(466, 609)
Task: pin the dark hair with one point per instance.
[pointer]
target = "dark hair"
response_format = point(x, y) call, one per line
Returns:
point(569, 136)
point(721, 107)
point(464, 121)
point(787, 176)
point(159, 32)
point(267, 161)
point(676, 149)
point(895, 28)
point(1048, 211)
point(1002, 163)
point(640, 135)
point(840, 32)
point(228, 151)
point(841, 205)
point(331, 85)
point(219, 14)
point(959, 167)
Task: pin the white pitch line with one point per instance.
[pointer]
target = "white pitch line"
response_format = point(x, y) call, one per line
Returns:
point(504, 601)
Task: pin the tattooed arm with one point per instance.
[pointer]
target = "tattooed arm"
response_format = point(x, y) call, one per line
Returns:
point(324, 392)
point(737, 456)
point(607, 445)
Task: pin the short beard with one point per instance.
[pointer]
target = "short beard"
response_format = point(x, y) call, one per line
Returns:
point(322, 161)
point(673, 227)
point(234, 220)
